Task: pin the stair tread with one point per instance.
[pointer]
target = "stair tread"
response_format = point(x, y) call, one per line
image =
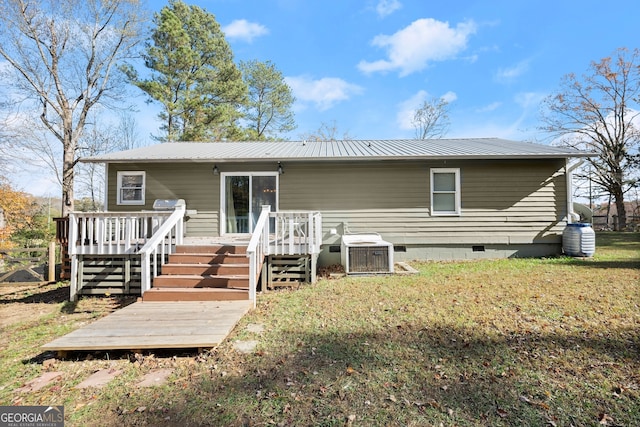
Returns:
point(204, 264)
point(205, 276)
point(199, 294)
point(198, 290)
point(210, 253)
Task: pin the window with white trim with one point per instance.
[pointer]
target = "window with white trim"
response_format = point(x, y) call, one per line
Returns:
point(445, 191)
point(131, 187)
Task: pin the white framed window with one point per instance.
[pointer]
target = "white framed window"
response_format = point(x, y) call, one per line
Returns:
point(131, 187)
point(445, 192)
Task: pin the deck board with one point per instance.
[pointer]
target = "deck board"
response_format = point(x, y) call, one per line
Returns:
point(157, 325)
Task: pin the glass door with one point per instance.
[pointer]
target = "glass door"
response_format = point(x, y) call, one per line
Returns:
point(243, 197)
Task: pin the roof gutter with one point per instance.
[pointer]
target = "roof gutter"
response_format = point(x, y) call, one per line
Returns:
point(337, 159)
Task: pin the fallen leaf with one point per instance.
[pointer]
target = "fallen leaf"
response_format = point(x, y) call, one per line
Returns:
point(392, 398)
point(501, 412)
point(433, 404)
point(543, 406)
point(604, 419)
point(350, 370)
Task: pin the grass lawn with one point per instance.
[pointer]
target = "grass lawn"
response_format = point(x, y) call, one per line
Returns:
point(517, 342)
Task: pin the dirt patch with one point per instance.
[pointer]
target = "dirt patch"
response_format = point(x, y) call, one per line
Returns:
point(22, 302)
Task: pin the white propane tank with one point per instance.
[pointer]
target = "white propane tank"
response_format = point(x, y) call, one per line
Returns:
point(579, 240)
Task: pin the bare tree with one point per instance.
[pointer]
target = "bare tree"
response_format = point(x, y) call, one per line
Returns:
point(326, 132)
point(127, 133)
point(599, 112)
point(62, 57)
point(101, 137)
point(89, 176)
point(431, 119)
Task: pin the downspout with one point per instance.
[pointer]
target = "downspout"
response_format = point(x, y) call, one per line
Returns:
point(569, 168)
point(105, 207)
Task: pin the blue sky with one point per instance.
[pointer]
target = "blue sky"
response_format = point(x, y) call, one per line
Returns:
point(365, 65)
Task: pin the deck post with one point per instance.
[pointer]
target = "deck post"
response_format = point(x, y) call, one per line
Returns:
point(73, 257)
point(314, 266)
point(52, 262)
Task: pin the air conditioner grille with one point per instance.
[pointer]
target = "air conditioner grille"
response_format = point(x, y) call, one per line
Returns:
point(368, 259)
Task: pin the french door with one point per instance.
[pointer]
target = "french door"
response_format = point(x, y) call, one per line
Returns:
point(242, 198)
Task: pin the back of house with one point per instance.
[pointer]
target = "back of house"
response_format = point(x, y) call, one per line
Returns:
point(430, 199)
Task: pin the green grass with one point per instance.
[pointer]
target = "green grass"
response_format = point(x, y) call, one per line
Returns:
point(512, 342)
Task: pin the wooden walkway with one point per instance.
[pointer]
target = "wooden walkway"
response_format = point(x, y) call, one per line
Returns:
point(157, 325)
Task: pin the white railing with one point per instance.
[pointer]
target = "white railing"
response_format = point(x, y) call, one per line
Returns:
point(112, 233)
point(154, 235)
point(256, 251)
point(160, 245)
point(296, 232)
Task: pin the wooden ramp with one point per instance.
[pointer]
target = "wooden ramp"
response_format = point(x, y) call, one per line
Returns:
point(157, 325)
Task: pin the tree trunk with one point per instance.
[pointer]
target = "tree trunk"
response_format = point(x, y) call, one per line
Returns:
point(618, 195)
point(68, 174)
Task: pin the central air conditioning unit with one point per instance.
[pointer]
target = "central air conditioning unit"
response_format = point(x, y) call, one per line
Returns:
point(366, 253)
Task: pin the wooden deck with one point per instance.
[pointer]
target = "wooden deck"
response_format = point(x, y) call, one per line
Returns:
point(157, 325)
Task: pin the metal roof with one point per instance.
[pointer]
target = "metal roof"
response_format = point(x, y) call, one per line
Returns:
point(401, 149)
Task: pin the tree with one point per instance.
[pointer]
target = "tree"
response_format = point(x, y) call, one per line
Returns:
point(326, 132)
point(268, 110)
point(193, 75)
point(17, 210)
point(431, 119)
point(599, 112)
point(99, 138)
point(62, 56)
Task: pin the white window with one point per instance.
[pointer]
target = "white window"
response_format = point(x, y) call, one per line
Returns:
point(445, 191)
point(131, 188)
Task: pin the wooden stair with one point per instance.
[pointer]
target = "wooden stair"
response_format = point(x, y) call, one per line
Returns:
point(203, 273)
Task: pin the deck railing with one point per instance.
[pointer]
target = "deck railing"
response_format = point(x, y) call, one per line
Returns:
point(154, 235)
point(111, 233)
point(160, 245)
point(294, 233)
point(256, 251)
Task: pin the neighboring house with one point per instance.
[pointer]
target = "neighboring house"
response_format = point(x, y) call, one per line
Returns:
point(431, 199)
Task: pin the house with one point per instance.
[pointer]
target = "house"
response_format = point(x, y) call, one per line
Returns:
point(429, 199)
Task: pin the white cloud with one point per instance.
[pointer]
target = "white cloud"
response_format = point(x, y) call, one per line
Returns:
point(407, 108)
point(241, 29)
point(449, 97)
point(505, 74)
point(529, 100)
point(387, 7)
point(414, 47)
point(324, 92)
point(488, 108)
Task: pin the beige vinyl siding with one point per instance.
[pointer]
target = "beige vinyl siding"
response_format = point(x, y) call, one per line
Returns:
point(193, 182)
point(503, 202)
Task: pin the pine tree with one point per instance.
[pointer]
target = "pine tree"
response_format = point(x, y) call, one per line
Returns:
point(193, 75)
